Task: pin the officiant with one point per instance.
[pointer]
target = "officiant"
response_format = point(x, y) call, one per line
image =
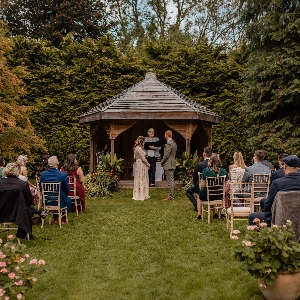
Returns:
point(152, 147)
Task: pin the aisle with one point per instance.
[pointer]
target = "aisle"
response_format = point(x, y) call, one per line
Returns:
point(125, 249)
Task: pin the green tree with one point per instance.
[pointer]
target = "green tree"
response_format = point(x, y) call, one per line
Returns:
point(272, 99)
point(16, 132)
point(53, 20)
point(66, 82)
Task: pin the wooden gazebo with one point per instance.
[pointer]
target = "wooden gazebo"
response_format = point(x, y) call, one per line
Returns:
point(149, 103)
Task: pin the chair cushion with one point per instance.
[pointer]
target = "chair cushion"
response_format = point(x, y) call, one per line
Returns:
point(241, 209)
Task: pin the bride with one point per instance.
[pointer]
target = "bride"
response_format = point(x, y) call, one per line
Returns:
point(141, 179)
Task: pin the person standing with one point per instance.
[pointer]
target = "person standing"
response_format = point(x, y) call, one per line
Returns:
point(152, 153)
point(169, 164)
point(141, 179)
point(207, 152)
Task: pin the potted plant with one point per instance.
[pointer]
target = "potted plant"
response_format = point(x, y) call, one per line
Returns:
point(272, 256)
point(185, 168)
point(112, 164)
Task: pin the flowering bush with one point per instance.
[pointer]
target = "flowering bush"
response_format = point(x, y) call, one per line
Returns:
point(266, 251)
point(185, 169)
point(16, 269)
point(100, 183)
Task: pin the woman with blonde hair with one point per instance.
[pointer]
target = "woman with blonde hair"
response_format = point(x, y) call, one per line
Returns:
point(141, 178)
point(238, 161)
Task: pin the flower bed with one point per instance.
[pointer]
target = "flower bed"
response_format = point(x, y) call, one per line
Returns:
point(16, 269)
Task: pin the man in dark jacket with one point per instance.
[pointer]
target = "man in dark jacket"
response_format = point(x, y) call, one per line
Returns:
point(23, 217)
point(207, 152)
point(290, 182)
point(278, 173)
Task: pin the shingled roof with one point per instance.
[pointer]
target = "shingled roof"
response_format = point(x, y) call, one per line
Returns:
point(150, 99)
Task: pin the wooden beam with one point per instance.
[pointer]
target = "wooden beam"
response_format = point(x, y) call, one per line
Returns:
point(115, 127)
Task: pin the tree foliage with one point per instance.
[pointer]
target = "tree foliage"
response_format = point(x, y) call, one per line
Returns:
point(53, 20)
point(16, 132)
point(272, 99)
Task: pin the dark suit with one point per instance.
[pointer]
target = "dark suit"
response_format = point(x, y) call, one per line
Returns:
point(53, 175)
point(290, 182)
point(195, 188)
point(276, 174)
point(14, 183)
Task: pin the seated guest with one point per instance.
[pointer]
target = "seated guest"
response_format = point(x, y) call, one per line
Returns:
point(2, 164)
point(213, 169)
point(12, 182)
point(54, 175)
point(207, 152)
point(290, 182)
point(43, 165)
point(265, 160)
point(257, 167)
point(236, 173)
point(21, 162)
point(238, 168)
point(278, 173)
point(72, 169)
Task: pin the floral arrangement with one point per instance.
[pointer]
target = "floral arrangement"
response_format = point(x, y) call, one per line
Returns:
point(266, 251)
point(100, 183)
point(16, 269)
point(185, 168)
point(111, 163)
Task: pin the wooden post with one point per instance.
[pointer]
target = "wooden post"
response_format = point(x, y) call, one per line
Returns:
point(93, 128)
point(112, 146)
point(188, 146)
point(208, 130)
point(91, 167)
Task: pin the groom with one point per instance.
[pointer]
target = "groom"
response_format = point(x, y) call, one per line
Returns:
point(168, 163)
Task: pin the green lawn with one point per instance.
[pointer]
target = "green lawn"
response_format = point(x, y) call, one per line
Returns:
point(125, 249)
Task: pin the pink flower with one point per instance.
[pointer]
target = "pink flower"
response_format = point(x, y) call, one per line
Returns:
point(33, 261)
point(17, 269)
point(34, 280)
point(256, 220)
point(12, 247)
point(20, 282)
point(236, 231)
point(2, 264)
point(10, 236)
point(19, 296)
point(3, 270)
point(22, 259)
point(275, 226)
point(234, 237)
point(263, 224)
point(41, 262)
point(6, 298)
point(283, 226)
point(247, 243)
point(11, 275)
point(2, 256)
point(2, 292)
point(252, 227)
point(289, 222)
point(26, 255)
point(268, 271)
